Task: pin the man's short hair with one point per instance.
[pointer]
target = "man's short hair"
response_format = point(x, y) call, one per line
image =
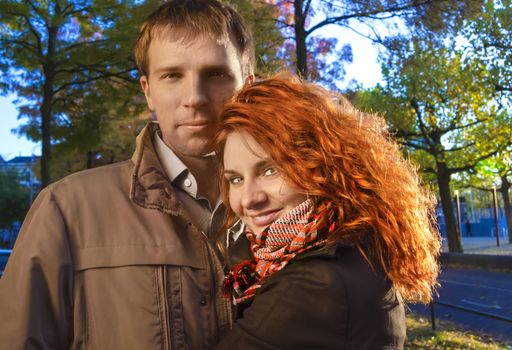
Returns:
point(191, 18)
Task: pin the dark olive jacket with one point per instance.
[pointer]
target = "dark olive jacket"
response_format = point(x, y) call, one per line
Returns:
point(330, 299)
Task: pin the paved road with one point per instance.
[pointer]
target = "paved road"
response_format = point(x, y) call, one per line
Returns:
point(489, 292)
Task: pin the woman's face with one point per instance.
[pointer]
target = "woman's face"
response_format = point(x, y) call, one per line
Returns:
point(257, 193)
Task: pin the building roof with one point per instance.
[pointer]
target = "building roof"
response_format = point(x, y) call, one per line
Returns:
point(22, 160)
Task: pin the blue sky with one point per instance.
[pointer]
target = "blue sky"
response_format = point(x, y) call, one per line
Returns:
point(10, 144)
point(364, 69)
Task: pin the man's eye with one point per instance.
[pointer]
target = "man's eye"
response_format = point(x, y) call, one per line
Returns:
point(219, 74)
point(270, 171)
point(172, 75)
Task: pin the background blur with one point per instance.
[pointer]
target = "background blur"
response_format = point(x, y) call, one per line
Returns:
point(439, 71)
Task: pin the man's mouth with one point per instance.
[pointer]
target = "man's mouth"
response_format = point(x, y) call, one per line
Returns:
point(199, 125)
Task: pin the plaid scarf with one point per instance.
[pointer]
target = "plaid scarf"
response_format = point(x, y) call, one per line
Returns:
point(302, 229)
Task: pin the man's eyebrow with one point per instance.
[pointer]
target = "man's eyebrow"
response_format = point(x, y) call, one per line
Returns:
point(166, 69)
point(216, 67)
point(170, 67)
point(207, 68)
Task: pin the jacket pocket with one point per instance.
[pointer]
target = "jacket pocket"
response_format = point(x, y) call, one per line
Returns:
point(131, 295)
point(133, 255)
point(123, 307)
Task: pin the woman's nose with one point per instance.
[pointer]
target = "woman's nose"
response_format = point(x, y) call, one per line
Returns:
point(253, 196)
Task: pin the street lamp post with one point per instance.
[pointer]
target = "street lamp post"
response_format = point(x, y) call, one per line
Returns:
point(495, 202)
point(459, 228)
point(31, 180)
point(30, 184)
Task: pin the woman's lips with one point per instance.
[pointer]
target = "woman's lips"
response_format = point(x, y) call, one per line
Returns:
point(264, 219)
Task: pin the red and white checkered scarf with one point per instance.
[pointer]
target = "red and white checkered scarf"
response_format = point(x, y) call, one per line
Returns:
point(302, 229)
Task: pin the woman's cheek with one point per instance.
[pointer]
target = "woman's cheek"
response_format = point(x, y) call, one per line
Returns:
point(234, 202)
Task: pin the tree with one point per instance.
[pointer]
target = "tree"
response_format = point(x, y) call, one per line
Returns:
point(268, 39)
point(14, 199)
point(494, 172)
point(490, 35)
point(105, 115)
point(51, 49)
point(71, 63)
point(441, 110)
point(490, 38)
point(101, 126)
point(301, 21)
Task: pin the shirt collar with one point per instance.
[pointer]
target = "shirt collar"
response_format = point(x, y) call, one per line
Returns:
point(175, 169)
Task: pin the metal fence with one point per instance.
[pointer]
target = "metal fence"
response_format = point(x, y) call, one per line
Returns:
point(465, 309)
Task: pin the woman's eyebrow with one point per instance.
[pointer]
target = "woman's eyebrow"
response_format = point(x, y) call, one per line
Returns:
point(259, 164)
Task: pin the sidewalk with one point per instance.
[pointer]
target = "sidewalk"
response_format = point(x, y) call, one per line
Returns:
point(483, 245)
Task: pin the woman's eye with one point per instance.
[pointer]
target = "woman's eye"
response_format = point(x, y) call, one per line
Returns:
point(235, 180)
point(270, 171)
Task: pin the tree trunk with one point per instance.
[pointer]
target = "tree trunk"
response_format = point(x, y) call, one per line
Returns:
point(46, 107)
point(300, 39)
point(505, 186)
point(90, 160)
point(443, 181)
point(46, 132)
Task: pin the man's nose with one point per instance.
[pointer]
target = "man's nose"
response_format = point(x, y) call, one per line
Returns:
point(253, 196)
point(195, 92)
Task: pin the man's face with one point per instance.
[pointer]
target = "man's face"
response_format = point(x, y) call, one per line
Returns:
point(186, 86)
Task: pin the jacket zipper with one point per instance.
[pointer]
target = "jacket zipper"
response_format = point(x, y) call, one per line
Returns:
point(213, 284)
point(164, 307)
point(216, 267)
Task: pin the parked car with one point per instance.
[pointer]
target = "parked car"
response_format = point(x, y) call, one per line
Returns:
point(4, 255)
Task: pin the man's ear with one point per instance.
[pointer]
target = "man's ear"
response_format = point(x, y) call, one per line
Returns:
point(144, 84)
point(249, 79)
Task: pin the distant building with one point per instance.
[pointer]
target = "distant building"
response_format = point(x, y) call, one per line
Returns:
point(24, 167)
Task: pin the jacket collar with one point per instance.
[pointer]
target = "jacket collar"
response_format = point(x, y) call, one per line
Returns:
point(150, 187)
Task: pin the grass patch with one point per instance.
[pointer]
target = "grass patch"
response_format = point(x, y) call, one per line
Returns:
point(421, 336)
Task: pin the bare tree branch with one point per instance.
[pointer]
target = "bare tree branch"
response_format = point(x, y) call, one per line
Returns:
point(502, 88)
point(473, 163)
point(83, 43)
point(306, 8)
point(460, 148)
point(333, 20)
point(27, 46)
point(91, 79)
point(414, 145)
point(429, 170)
point(419, 118)
point(38, 11)
point(36, 34)
point(284, 24)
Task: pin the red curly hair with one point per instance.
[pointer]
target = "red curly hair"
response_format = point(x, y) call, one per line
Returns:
point(326, 148)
